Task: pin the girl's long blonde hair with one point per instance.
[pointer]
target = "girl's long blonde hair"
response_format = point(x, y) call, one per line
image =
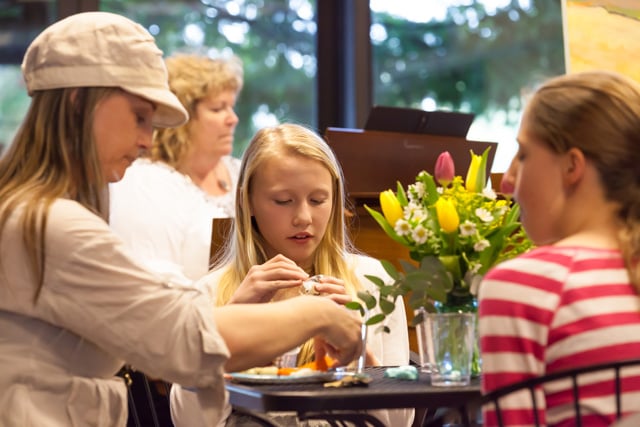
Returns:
point(53, 155)
point(246, 246)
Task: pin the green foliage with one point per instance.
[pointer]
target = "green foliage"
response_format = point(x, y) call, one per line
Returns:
point(482, 67)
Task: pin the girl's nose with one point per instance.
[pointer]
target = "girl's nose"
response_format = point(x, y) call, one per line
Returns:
point(507, 184)
point(302, 215)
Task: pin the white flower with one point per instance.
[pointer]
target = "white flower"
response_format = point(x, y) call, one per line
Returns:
point(481, 245)
point(420, 214)
point(402, 228)
point(501, 210)
point(420, 234)
point(489, 193)
point(409, 211)
point(418, 190)
point(484, 215)
point(467, 228)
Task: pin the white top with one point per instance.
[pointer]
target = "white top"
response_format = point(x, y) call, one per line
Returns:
point(166, 219)
point(391, 349)
point(97, 309)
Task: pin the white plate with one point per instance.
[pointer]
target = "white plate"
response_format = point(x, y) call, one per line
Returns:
point(320, 377)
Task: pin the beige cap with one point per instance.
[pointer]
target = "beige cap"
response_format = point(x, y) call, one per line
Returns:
point(94, 49)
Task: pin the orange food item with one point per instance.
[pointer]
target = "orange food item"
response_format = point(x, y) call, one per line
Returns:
point(316, 365)
point(287, 371)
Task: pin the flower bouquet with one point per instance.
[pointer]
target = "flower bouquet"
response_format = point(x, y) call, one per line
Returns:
point(455, 231)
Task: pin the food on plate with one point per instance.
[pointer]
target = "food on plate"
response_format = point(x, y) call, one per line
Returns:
point(310, 368)
point(262, 370)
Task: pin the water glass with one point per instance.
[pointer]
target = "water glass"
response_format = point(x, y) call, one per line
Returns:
point(452, 339)
point(423, 335)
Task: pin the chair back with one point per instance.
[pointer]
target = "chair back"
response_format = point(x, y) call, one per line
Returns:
point(573, 375)
point(533, 388)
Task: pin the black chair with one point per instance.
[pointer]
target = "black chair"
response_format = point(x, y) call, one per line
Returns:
point(467, 411)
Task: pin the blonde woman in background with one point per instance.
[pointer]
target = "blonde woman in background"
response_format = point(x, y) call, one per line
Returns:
point(189, 176)
point(290, 225)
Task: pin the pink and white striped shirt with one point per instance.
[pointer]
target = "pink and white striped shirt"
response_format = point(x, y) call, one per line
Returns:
point(556, 308)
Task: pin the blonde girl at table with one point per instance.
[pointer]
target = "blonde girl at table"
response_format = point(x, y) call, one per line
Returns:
point(290, 225)
point(573, 301)
point(75, 303)
point(189, 175)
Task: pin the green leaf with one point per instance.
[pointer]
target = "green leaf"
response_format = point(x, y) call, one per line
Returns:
point(407, 266)
point(375, 279)
point(386, 306)
point(375, 319)
point(390, 269)
point(401, 195)
point(368, 299)
point(431, 188)
point(382, 221)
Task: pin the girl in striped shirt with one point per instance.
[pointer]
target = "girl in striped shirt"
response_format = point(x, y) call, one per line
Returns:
point(573, 301)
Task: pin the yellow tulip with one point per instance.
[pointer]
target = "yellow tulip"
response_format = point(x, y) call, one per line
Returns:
point(391, 208)
point(447, 215)
point(477, 173)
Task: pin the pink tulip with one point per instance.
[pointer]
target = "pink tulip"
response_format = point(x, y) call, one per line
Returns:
point(445, 169)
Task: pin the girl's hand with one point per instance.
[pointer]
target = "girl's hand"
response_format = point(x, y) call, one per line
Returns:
point(332, 288)
point(263, 281)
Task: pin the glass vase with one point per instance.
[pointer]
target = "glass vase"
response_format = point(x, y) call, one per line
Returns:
point(464, 303)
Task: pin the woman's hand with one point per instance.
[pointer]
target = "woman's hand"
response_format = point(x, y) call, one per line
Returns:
point(341, 338)
point(263, 281)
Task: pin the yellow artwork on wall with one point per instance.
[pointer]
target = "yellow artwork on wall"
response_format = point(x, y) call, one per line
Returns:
point(604, 34)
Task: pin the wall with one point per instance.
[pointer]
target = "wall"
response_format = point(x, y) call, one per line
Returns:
point(604, 34)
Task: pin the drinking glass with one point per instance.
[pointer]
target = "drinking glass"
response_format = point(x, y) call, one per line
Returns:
point(452, 338)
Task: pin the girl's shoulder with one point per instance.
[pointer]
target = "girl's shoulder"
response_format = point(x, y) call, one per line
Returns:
point(366, 265)
point(561, 257)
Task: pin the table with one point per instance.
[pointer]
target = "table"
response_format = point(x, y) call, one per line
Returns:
point(381, 393)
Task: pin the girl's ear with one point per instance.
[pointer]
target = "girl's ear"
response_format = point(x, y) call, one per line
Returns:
point(575, 165)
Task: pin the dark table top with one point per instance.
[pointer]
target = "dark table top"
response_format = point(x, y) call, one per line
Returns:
point(380, 393)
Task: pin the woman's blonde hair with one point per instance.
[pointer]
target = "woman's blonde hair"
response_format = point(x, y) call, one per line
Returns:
point(598, 112)
point(53, 155)
point(192, 78)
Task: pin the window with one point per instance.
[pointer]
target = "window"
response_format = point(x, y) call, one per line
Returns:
point(20, 22)
point(480, 56)
point(275, 40)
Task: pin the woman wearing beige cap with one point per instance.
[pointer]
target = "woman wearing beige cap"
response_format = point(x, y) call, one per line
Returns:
point(75, 304)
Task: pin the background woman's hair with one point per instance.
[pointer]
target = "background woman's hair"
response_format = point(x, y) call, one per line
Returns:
point(193, 78)
point(53, 155)
point(598, 112)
